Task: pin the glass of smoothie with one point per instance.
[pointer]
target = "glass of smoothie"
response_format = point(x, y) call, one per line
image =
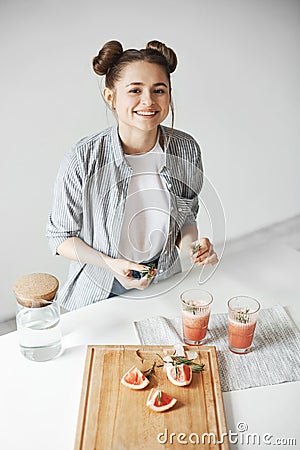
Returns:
point(195, 308)
point(242, 318)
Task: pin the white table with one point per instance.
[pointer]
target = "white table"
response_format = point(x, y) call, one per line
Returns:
point(39, 401)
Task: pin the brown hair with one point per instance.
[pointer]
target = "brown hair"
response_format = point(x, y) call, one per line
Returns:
point(111, 60)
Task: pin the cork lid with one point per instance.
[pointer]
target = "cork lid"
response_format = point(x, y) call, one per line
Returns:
point(32, 289)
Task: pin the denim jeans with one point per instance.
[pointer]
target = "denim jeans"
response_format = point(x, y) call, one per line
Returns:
point(117, 289)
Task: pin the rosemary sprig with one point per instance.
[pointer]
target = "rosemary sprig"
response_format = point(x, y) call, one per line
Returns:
point(189, 307)
point(242, 316)
point(176, 371)
point(150, 372)
point(196, 248)
point(193, 310)
point(188, 362)
point(177, 360)
point(159, 399)
point(149, 272)
point(157, 354)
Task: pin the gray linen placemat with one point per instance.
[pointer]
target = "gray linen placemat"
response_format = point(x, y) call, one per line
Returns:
point(275, 357)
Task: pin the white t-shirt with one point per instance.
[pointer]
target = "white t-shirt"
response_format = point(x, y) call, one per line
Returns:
point(146, 218)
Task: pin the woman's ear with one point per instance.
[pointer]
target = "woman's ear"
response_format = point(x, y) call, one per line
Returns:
point(108, 96)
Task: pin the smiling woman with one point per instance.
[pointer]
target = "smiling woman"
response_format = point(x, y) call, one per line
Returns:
point(140, 105)
point(152, 67)
point(126, 199)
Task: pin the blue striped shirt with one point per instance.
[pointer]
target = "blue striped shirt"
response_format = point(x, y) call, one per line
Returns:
point(89, 198)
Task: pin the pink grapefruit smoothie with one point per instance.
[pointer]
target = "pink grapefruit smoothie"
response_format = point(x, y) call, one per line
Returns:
point(194, 325)
point(240, 335)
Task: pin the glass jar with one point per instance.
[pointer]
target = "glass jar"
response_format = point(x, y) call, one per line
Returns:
point(38, 317)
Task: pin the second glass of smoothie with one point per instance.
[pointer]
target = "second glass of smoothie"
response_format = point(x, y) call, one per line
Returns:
point(242, 318)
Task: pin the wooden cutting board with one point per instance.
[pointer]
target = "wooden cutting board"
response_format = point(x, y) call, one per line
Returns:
point(114, 417)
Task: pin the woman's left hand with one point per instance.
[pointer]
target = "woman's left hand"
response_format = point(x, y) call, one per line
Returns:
point(202, 252)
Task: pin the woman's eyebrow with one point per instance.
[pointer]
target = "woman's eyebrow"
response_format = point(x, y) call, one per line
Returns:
point(139, 83)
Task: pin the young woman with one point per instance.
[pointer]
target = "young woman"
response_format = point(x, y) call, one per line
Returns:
point(127, 198)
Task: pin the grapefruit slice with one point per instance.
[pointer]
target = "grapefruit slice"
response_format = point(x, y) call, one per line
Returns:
point(180, 375)
point(135, 379)
point(160, 401)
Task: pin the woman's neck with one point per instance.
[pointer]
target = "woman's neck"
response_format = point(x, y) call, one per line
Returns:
point(137, 141)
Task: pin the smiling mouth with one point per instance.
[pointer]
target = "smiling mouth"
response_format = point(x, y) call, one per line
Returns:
point(146, 113)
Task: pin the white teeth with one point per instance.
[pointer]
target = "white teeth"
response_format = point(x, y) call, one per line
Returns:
point(145, 113)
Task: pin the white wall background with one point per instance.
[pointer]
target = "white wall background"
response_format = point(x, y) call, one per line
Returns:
point(236, 91)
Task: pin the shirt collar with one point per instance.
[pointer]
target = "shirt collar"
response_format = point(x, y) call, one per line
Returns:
point(116, 145)
point(164, 140)
point(118, 150)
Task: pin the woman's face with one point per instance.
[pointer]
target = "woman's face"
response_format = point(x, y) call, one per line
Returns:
point(141, 97)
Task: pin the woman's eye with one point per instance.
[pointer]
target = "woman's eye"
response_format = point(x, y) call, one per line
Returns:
point(159, 91)
point(134, 91)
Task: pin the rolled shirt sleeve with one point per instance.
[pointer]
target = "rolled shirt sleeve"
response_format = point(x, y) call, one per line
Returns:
point(192, 214)
point(65, 218)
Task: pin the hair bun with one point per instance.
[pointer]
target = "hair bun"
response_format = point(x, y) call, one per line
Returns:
point(106, 57)
point(167, 52)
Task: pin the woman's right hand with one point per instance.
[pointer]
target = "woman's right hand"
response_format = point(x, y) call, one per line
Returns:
point(121, 269)
point(76, 249)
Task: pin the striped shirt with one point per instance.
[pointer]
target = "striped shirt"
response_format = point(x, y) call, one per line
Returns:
point(89, 198)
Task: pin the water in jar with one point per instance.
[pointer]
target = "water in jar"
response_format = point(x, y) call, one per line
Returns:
point(39, 332)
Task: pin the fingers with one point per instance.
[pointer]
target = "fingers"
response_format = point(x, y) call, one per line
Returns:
point(145, 272)
point(210, 261)
point(201, 249)
point(123, 268)
point(144, 283)
point(151, 272)
point(134, 283)
point(205, 254)
point(137, 267)
point(205, 247)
